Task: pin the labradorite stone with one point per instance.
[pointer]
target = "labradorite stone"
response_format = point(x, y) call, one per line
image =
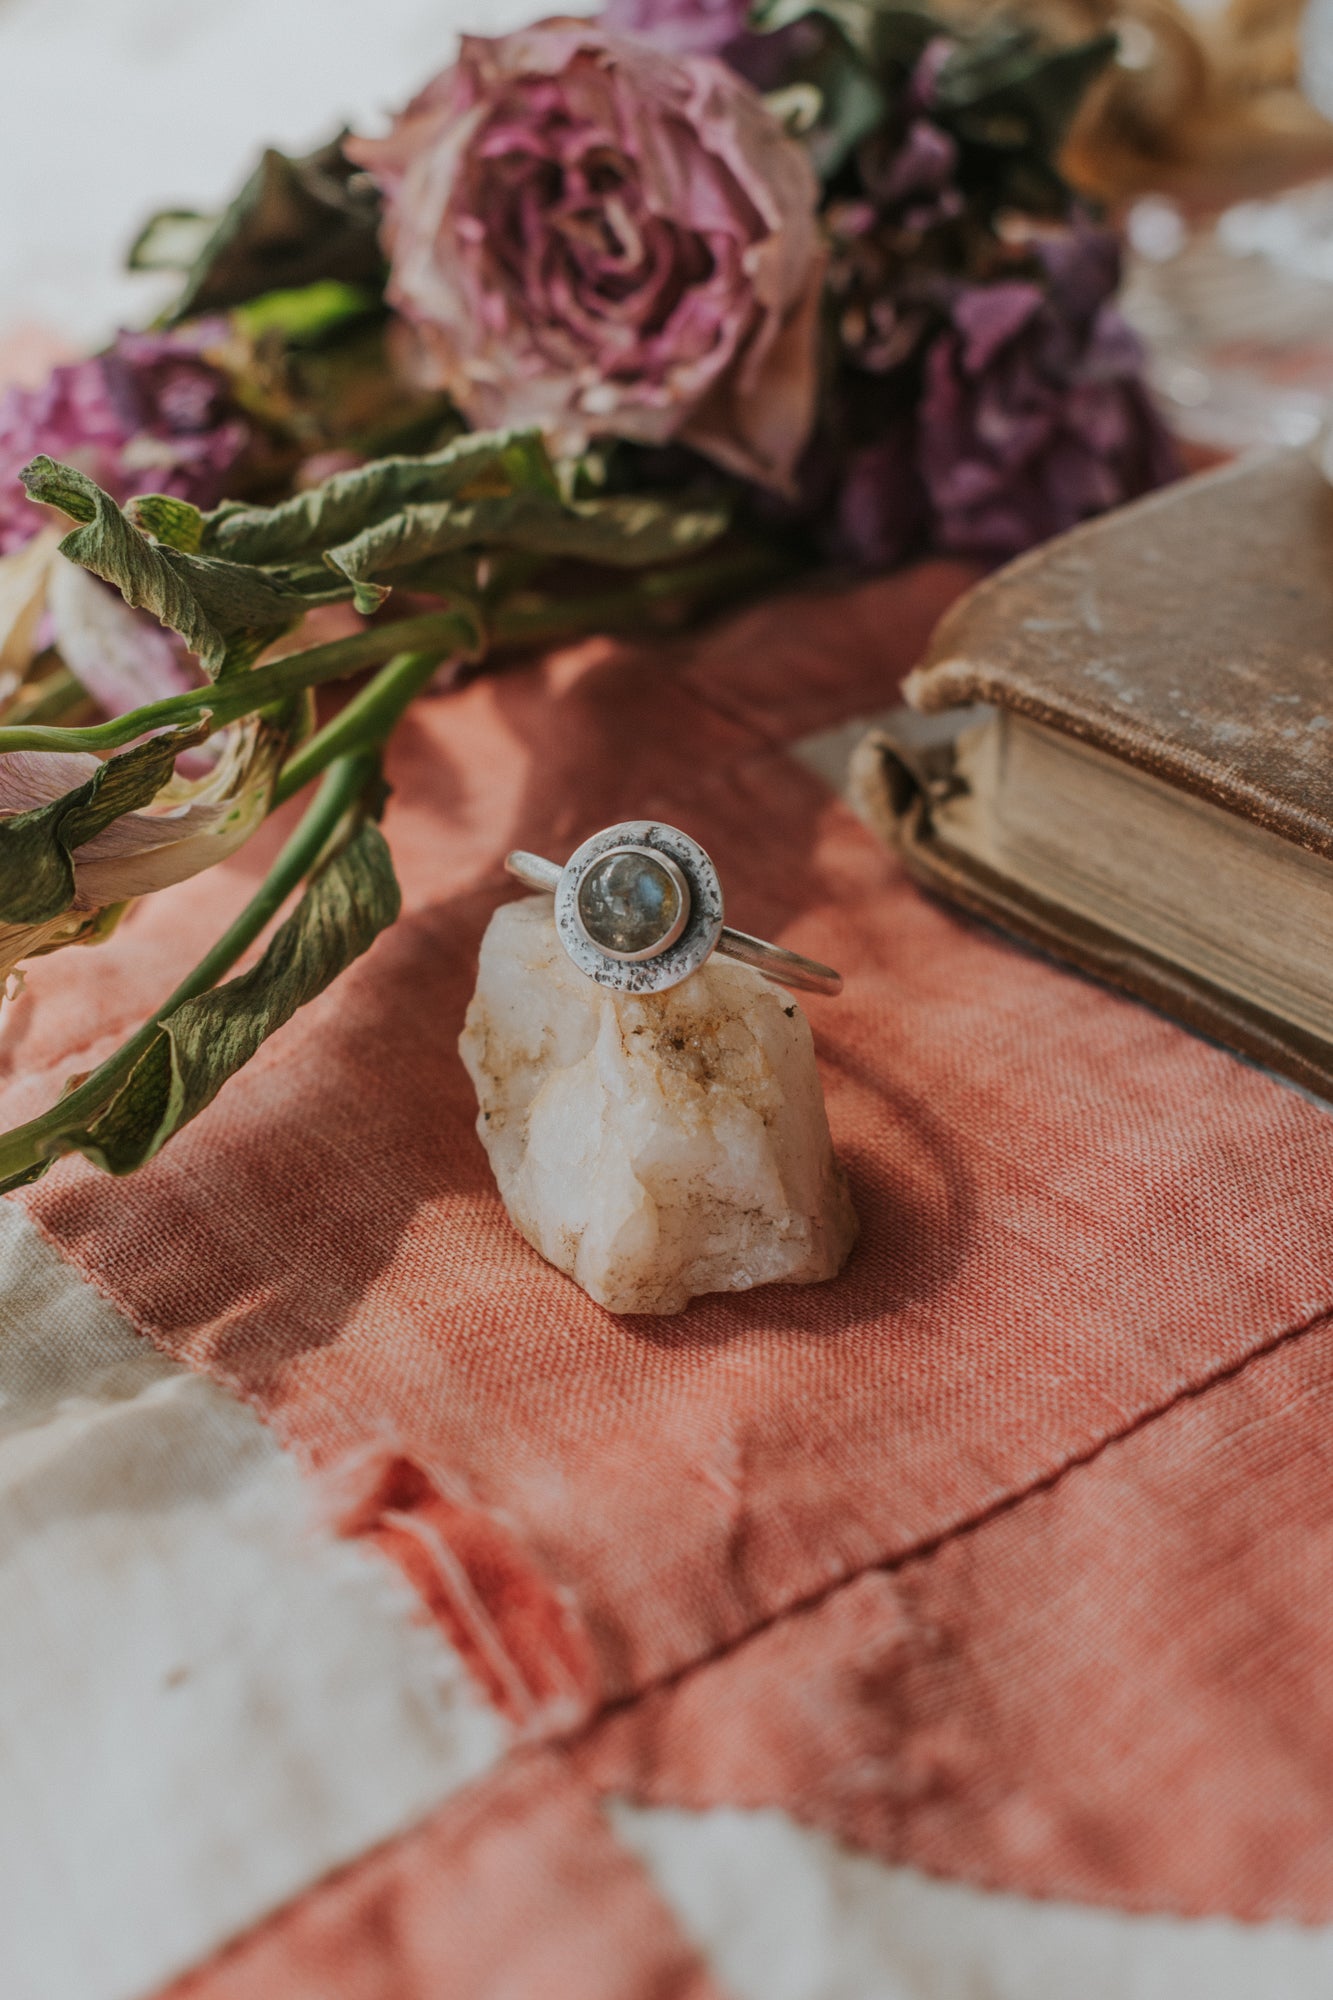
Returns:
point(628, 903)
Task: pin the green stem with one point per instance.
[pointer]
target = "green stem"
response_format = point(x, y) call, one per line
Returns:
point(440, 632)
point(29, 1145)
point(348, 749)
point(613, 610)
point(363, 723)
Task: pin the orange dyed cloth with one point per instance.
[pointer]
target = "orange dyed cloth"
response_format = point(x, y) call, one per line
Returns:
point(1006, 1555)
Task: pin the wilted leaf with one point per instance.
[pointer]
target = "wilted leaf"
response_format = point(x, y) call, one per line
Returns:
point(627, 532)
point(487, 462)
point(207, 1040)
point(295, 221)
point(36, 846)
point(1006, 94)
point(177, 523)
point(226, 612)
point(888, 37)
point(407, 521)
point(234, 580)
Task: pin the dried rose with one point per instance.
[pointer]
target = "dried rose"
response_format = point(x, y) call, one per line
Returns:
point(151, 414)
point(684, 27)
point(604, 239)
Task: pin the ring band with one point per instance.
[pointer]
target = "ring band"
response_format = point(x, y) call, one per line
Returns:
point(639, 908)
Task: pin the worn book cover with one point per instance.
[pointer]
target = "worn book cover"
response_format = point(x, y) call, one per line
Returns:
point(1123, 751)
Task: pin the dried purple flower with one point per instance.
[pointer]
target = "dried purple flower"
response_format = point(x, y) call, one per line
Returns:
point(70, 416)
point(987, 391)
point(151, 414)
point(1034, 414)
point(881, 503)
point(681, 27)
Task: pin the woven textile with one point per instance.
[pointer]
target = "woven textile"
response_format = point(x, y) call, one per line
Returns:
point(1004, 1559)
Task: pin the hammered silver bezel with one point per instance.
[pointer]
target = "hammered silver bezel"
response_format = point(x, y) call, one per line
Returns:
point(670, 964)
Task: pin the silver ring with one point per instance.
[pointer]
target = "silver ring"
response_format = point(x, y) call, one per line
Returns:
point(639, 908)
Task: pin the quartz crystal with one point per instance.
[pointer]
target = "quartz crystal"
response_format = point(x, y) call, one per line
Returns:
point(653, 1146)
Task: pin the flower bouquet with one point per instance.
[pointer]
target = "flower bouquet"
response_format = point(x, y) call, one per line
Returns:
point(620, 319)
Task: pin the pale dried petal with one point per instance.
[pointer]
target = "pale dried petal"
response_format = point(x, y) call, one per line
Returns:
point(122, 657)
point(191, 826)
point(23, 585)
point(31, 778)
point(22, 941)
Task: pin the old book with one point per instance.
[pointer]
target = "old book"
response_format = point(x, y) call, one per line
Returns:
point(1123, 751)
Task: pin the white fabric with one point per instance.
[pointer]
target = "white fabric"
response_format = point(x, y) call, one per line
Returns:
point(206, 1699)
point(782, 1913)
point(110, 109)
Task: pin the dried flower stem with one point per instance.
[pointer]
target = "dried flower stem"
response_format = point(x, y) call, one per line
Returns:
point(348, 750)
point(28, 1146)
point(367, 720)
point(440, 632)
point(623, 609)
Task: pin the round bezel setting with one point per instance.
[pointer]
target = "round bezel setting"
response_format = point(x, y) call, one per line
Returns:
point(655, 861)
point(691, 938)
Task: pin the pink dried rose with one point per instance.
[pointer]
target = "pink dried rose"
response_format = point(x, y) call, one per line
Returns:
point(605, 239)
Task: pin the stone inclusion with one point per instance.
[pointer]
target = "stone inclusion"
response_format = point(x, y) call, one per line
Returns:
point(629, 903)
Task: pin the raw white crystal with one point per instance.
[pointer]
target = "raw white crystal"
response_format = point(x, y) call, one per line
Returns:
point(653, 1146)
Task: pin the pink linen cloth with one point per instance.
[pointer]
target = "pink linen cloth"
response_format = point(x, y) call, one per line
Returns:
point(1004, 1555)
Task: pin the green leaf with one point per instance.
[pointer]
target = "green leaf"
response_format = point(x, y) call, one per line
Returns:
point(226, 612)
point(1014, 73)
point(37, 847)
point(1006, 94)
point(1009, 98)
point(855, 57)
point(207, 1040)
point(295, 222)
point(307, 316)
point(850, 100)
